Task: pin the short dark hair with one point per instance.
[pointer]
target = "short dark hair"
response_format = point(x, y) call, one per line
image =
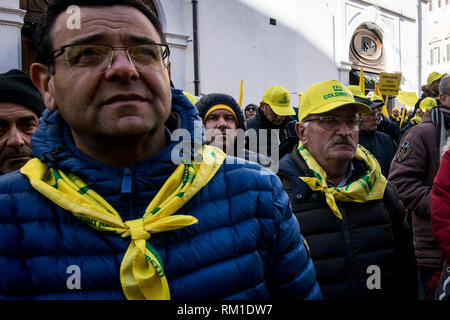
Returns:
point(43, 43)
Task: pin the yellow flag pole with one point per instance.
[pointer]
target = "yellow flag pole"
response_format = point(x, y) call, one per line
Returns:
point(362, 84)
point(403, 116)
point(240, 93)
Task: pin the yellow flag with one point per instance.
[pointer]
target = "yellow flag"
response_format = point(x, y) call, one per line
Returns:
point(240, 93)
point(362, 84)
point(403, 116)
point(407, 98)
point(378, 93)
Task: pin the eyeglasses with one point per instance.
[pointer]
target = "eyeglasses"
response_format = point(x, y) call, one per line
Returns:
point(250, 109)
point(333, 123)
point(375, 113)
point(101, 57)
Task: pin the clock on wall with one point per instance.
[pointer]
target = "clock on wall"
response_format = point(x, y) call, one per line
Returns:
point(367, 50)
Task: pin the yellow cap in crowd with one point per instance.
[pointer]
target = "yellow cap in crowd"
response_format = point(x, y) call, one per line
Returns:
point(325, 96)
point(432, 77)
point(427, 103)
point(356, 91)
point(279, 99)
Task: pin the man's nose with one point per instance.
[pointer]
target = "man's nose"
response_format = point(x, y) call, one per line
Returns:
point(121, 67)
point(16, 138)
point(344, 129)
point(221, 123)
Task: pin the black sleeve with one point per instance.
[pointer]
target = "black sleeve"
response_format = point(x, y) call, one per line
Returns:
point(406, 267)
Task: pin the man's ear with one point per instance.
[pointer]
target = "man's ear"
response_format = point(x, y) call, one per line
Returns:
point(300, 130)
point(443, 98)
point(262, 106)
point(43, 81)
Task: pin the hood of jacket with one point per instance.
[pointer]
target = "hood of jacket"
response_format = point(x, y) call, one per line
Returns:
point(128, 189)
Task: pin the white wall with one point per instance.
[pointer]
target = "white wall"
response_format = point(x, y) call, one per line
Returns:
point(11, 21)
point(309, 43)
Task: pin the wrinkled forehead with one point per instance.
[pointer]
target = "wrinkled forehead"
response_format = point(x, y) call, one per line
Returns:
point(103, 24)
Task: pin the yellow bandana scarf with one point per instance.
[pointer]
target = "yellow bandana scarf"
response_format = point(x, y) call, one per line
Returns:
point(417, 119)
point(141, 271)
point(369, 187)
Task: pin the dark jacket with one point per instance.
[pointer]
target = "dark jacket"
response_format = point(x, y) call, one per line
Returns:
point(390, 128)
point(381, 146)
point(412, 171)
point(244, 245)
point(286, 130)
point(370, 233)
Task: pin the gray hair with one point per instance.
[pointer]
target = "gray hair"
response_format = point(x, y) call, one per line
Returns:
point(444, 86)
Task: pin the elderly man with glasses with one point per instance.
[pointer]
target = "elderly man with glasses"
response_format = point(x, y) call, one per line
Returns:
point(350, 214)
point(117, 204)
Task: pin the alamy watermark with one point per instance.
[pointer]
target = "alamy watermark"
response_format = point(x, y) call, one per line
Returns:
point(374, 280)
point(74, 280)
point(189, 145)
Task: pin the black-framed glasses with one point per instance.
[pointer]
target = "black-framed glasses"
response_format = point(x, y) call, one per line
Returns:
point(250, 109)
point(100, 57)
point(333, 123)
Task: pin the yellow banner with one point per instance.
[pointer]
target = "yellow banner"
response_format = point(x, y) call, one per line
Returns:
point(390, 83)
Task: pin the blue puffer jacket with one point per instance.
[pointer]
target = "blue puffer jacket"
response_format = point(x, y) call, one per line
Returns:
point(246, 245)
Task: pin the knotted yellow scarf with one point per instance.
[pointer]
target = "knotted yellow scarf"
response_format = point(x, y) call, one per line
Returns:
point(141, 271)
point(417, 119)
point(369, 187)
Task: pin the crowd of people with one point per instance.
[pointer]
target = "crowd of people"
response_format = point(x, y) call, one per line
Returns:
point(328, 200)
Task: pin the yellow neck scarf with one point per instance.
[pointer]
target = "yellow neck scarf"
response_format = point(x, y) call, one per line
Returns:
point(371, 186)
point(141, 271)
point(417, 119)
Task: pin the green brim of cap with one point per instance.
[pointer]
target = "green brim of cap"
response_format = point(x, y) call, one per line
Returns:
point(283, 111)
point(361, 108)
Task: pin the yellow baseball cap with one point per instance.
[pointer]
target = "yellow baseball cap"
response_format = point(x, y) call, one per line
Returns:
point(427, 103)
point(356, 91)
point(396, 108)
point(432, 77)
point(279, 99)
point(325, 96)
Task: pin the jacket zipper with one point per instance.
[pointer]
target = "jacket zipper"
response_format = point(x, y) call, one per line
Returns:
point(349, 252)
point(127, 191)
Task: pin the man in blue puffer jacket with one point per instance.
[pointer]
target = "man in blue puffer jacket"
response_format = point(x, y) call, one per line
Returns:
point(105, 212)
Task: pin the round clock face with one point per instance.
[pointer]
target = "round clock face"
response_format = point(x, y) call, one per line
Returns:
point(366, 48)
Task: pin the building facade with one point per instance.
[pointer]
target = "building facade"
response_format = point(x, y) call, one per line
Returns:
point(438, 36)
point(215, 44)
